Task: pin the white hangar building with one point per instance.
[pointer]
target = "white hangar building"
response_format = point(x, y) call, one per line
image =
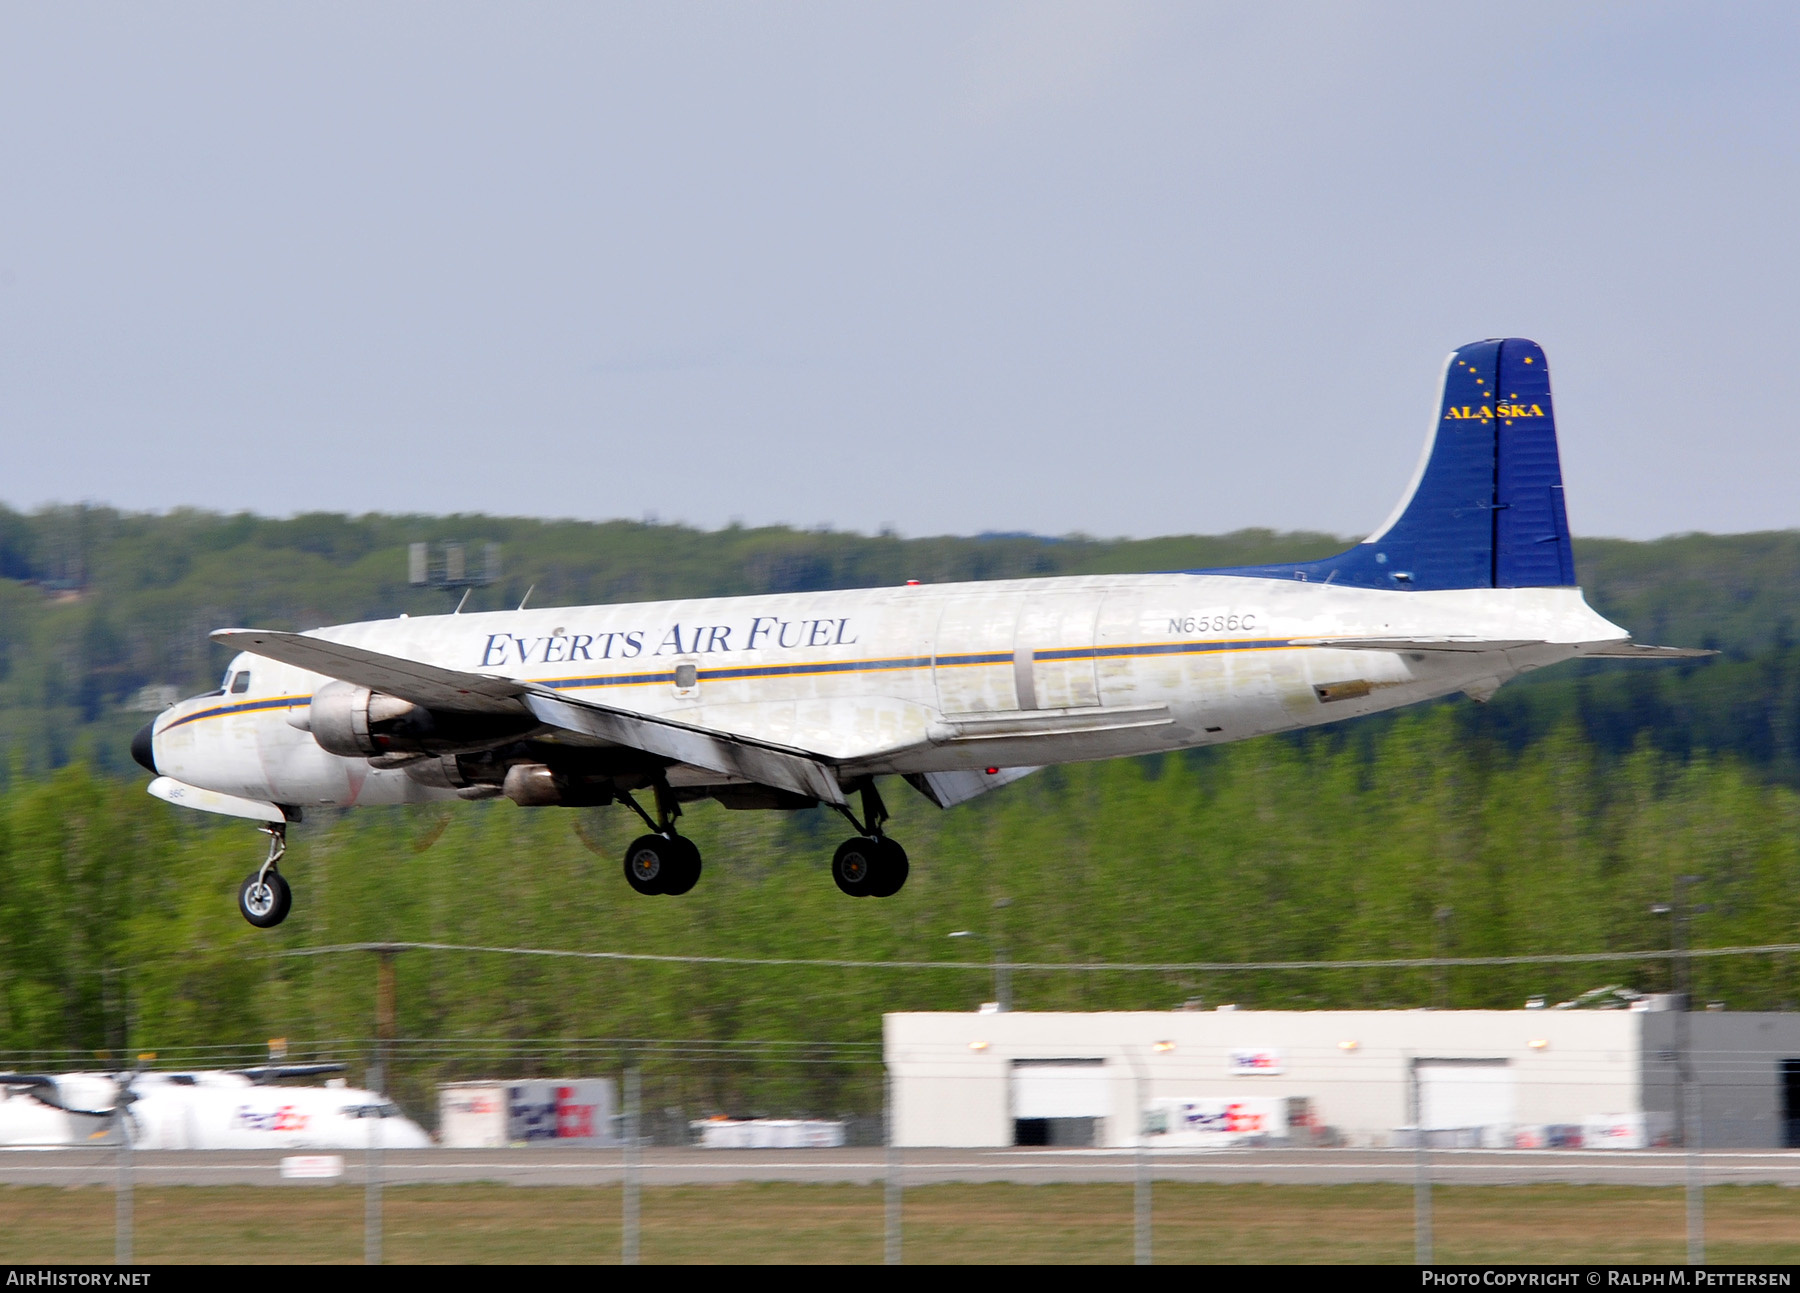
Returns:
point(1495, 1078)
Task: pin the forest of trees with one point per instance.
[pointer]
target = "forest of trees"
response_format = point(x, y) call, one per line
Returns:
point(1546, 821)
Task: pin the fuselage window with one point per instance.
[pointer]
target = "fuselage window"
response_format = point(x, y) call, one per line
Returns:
point(241, 683)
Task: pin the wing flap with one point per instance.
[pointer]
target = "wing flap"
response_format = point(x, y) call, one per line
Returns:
point(737, 756)
point(424, 684)
point(1009, 724)
point(948, 789)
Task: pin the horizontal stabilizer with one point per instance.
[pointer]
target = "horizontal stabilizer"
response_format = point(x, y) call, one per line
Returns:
point(424, 684)
point(736, 756)
point(1640, 651)
point(947, 789)
point(1420, 644)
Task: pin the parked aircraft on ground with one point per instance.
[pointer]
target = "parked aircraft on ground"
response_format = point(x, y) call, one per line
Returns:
point(209, 1109)
point(793, 700)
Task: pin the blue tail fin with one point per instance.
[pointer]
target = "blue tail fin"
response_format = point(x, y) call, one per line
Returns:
point(1486, 506)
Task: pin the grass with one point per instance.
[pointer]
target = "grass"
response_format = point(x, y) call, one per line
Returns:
point(943, 1224)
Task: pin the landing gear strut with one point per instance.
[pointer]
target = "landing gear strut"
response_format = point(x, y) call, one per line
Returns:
point(264, 898)
point(870, 865)
point(662, 861)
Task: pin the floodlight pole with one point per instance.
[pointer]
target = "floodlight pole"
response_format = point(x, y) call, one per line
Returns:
point(1140, 1186)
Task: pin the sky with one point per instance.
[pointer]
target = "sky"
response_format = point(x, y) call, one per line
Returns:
point(1115, 269)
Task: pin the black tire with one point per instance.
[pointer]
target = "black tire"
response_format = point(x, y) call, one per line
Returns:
point(265, 904)
point(684, 867)
point(649, 862)
point(855, 866)
point(893, 868)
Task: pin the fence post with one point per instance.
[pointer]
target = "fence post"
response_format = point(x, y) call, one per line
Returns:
point(1696, 1180)
point(893, 1186)
point(373, 1115)
point(628, 1240)
point(122, 1201)
point(1141, 1200)
point(1421, 1171)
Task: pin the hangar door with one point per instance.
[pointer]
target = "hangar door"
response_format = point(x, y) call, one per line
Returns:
point(1059, 1101)
point(1465, 1094)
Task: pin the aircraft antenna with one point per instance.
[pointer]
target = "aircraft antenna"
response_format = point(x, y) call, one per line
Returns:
point(527, 596)
point(461, 604)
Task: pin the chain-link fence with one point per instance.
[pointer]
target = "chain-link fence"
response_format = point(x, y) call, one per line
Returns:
point(1436, 1136)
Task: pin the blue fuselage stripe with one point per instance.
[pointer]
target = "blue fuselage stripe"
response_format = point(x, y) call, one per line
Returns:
point(732, 672)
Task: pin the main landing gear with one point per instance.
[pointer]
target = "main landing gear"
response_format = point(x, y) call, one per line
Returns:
point(662, 861)
point(264, 898)
point(868, 866)
point(871, 865)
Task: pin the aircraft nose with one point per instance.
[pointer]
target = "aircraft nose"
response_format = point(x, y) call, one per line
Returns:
point(143, 748)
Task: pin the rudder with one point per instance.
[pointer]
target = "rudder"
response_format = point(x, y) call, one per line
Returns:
point(1485, 507)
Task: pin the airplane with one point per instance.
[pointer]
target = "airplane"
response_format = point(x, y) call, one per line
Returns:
point(210, 1109)
point(793, 700)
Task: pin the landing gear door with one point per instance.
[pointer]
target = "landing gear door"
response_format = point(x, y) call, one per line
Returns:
point(1053, 650)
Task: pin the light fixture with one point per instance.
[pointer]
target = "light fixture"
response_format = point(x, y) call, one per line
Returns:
point(1539, 1043)
point(1162, 1047)
point(1348, 1046)
point(978, 1046)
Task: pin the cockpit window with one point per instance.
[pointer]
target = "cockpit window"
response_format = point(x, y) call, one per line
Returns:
point(241, 682)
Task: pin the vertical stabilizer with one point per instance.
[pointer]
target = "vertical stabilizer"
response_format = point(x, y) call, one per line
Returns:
point(1485, 508)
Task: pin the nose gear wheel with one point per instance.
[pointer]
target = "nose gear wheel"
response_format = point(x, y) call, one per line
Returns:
point(264, 898)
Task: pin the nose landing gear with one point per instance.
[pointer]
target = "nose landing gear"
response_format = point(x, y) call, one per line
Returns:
point(871, 865)
point(264, 898)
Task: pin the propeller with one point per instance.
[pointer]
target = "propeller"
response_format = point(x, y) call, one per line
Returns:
point(427, 825)
point(590, 830)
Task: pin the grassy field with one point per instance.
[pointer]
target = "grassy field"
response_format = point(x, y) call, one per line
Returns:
point(944, 1223)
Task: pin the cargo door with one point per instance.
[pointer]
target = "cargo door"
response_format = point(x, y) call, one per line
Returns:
point(973, 658)
point(1053, 650)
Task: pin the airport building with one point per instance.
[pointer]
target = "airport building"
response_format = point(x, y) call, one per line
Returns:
point(1493, 1078)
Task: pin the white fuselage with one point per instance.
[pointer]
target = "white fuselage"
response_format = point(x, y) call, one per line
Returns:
point(203, 1110)
point(918, 678)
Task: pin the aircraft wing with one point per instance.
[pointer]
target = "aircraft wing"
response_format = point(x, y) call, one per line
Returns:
point(264, 1074)
point(429, 685)
point(423, 684)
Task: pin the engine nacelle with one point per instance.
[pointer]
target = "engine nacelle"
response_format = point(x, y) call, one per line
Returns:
point(358, 723)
